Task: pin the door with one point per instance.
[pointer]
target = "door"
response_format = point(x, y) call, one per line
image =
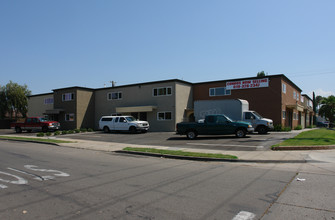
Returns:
point(122, 124)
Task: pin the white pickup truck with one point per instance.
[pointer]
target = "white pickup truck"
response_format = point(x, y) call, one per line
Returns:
point(122, 123)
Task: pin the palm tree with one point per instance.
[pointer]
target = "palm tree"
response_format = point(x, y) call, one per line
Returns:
point(327, 108)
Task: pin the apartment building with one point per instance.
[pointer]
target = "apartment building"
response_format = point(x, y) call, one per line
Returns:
point(162, 103)
point(274, 96)
point(165, 103)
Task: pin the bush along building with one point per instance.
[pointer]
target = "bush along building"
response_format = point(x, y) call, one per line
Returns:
point(165, 103)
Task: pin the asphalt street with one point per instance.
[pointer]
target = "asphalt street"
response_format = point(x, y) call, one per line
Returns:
point(49, 182)
point(39, 181)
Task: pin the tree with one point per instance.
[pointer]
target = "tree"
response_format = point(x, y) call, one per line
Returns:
point(14, 99)
point(327, 108)
point(261, 74)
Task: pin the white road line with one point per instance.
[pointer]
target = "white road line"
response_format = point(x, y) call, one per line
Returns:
point(243, 215)
point(224, 145)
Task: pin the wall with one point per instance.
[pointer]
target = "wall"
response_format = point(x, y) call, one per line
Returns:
point(266, 101)
point(85, 109)
point(36, 106)
point(140, 95)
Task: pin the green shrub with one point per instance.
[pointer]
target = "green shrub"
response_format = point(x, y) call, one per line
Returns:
point(64, 132)
point(83, 129)
point(278, 127)
point(287, 129)
point(48, 134)
point(57, 133)
point(41, 134)
point(70, 132)
point(299, 127)
point(77, 130)
point(90, 130)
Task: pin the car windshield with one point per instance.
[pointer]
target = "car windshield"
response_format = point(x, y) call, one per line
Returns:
point(229, 119)
point(43, 119)
point(130, 118)
point(257, 115)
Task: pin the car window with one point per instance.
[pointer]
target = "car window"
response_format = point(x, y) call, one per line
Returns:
point(116, 120)
point(122, 119)
point(221, 120)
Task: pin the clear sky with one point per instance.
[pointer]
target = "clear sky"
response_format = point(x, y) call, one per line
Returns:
point(55, 44)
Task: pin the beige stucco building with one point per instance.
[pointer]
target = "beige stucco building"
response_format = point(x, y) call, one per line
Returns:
point(162, 103)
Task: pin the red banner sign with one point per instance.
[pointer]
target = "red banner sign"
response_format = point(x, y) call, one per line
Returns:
point(248, 84)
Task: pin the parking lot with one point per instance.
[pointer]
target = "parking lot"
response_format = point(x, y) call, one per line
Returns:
point(251, 142)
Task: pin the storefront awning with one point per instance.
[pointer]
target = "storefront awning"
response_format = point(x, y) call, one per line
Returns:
point(53, 111)
point(298, 107)
point(148, 108)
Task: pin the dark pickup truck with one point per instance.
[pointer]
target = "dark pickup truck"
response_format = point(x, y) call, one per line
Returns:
point(214, 125)
point(35, 123)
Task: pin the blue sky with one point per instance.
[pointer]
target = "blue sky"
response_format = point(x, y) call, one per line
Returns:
point(54, 44)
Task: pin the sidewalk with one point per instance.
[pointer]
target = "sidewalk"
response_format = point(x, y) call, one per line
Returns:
point(291, 156)
point(243, 156)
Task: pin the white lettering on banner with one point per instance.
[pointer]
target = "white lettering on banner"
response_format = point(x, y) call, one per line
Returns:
point(248, 84)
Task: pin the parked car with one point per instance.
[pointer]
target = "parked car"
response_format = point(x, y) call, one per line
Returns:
point(35, 123)
point(122, 123)
point(236, 109)
point(214, 125)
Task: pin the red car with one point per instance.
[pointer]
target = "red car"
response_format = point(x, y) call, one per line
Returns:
point(35, 123)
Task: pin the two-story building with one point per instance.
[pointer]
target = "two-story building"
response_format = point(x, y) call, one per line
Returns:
point(165, 103)
point(275, 97)
point(162, 103)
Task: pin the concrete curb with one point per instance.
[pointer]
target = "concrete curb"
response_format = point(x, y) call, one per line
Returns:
point(297, 148)
point(206, 159)
point(30, 141)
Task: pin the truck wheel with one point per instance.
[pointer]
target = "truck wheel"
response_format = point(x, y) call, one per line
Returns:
point(132, 130)
point(45, 129)
point(18, 130)
point(191, 135)
point(240, 133)
point(106, 129)
point(262, 130)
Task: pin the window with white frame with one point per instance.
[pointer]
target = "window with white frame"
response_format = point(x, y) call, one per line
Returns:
point(114, 95)
point(67, 97)
point(219, 91)
point(69, 117)
point(162, 91)
point(48, 101)
point(284, 88)
point(163, 116)
point(284, 114)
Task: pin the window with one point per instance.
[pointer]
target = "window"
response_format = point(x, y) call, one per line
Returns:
point(67, 97)
point(69, 117)
point(114, 95)
point(295, 116)
point(161, 116)
point(219, 91)
point(163, 91)
point(106, 119)
point(284, 88)
point(48, 101)
point(284, 114)
point(294, 94)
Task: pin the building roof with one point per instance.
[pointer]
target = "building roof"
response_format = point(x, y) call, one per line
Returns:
point(250, 78)
point(148, 83)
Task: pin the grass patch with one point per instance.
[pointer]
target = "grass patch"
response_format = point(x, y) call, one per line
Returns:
point(180, 153)
point(317, 137)
point(35, 139)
